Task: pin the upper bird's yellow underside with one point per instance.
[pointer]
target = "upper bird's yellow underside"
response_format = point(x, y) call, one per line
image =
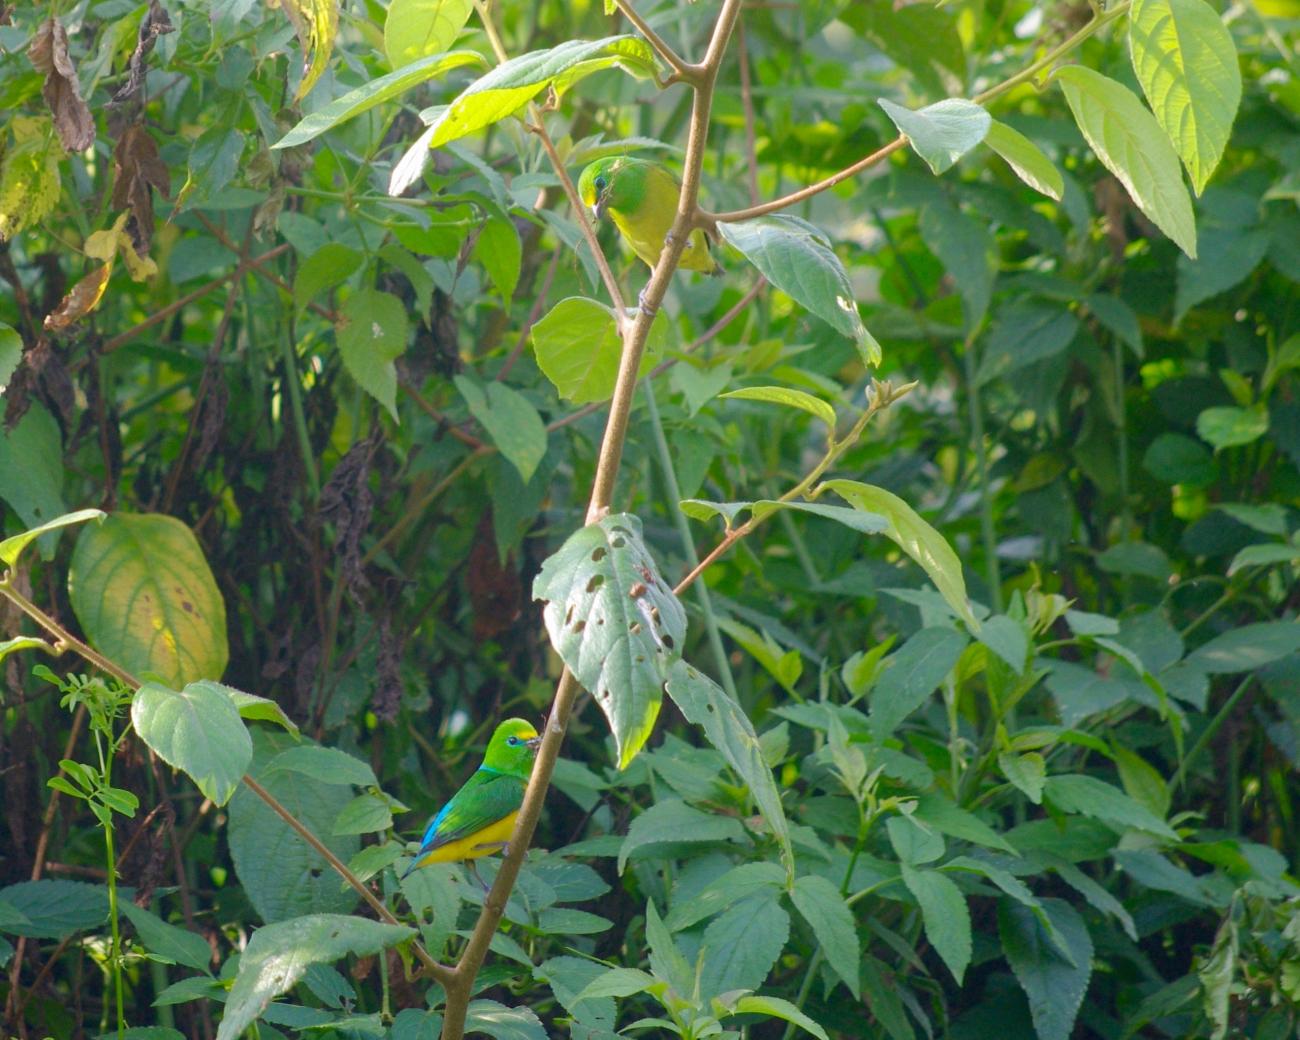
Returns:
point(645, 233)
point(480, 843)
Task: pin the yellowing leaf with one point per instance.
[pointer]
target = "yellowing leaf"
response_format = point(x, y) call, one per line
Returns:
point(105, 245)
point(29, 176)
point(317, 24)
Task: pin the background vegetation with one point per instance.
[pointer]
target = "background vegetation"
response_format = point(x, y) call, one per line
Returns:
point(341, 395)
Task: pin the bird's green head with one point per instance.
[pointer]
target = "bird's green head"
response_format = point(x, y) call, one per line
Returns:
point(512, 748)
point(613, 183)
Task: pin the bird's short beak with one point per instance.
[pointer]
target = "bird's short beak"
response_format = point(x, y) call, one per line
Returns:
point(534, 742)
point(598, 208)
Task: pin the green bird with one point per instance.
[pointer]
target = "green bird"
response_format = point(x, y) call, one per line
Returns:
point(641, 198)
point(479, 818)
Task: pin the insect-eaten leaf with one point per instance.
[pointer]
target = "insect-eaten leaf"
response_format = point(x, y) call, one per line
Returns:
point(615, 622)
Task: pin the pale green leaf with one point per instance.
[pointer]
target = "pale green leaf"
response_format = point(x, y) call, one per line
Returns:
point(371, 335)
point(1026, 159)
point(943, 132)
point(578, 348)
point(196, 730)
point(510, 420)
point(11, 548)
point(944, 914)
point(418, 29)
point(789, 397)
point(776, 1007)
point(1054, 986)
point(820, 904)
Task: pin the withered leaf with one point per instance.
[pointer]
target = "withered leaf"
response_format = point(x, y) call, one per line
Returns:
point(137, 168)
point(154, 24)
point(83, 298)
point(72, 119)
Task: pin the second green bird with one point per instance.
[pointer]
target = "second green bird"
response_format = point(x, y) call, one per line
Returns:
point(641, 198)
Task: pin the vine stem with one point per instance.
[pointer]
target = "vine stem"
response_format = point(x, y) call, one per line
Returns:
point(460, 986)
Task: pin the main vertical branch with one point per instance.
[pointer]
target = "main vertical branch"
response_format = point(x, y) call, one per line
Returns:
point(703, 77)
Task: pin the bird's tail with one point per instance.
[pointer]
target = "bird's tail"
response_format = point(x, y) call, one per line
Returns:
point(414, 864)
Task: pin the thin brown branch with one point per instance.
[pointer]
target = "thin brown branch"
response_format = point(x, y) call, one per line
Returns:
point(461, 435)
point(534, 315)
point(685, 71)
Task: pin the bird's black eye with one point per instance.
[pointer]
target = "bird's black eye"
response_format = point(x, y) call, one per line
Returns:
point(601, 182)
point(512, 741)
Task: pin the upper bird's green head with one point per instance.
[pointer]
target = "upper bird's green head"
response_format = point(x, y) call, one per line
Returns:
point(512, 748)
point(616, 182)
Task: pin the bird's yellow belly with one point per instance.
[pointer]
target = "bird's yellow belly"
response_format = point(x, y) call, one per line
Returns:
point(480, 843)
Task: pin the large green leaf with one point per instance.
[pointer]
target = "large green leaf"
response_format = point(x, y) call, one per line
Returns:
point(167, 942)
point(671, 821)
point(820, 904)
point(510, 86)
point(578, 348)
point(198, 731)
point(1247, 648)
point(1228, 256)
point(1053, 984)
point(371, 334)
point(278, 955)
point(912, 673)
point(49, 909)
point(511, 421)
point(729, 888)
point(281, 874)
point(1023, 332)
point(376, 92)
point(142, 590)
point(615, 622)
point(742, 944)
point(727, 727)
point(789, 397)
point(1187, 65)
point(916, 538)
point(943, 132)
point(416, 29)
point(776, 1007)
point(798, 259)
point(1076, 793)
point(1131, 144)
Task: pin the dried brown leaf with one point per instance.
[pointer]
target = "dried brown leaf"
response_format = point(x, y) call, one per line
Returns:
point(72, 119)
point(137, 169)
point(83, 298)
point(154, 24)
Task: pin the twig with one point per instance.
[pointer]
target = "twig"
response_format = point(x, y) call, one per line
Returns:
point(685, 72)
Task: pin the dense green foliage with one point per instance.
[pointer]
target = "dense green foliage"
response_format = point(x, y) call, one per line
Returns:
point(984, 723)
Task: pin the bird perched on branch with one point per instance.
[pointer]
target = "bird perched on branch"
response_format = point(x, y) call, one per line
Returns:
point(479, 818)
point(641, 198)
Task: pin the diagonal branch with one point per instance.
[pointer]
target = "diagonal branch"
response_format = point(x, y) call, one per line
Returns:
point(686, 72)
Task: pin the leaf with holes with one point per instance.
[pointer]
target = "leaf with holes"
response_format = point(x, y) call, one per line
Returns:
point(142, 590)
point(615, 622)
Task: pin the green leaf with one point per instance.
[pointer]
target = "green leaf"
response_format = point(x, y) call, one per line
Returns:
point(415, 29)
point(1028, 772)
point(578, 348)
point(328, 765)
point(259, 709)
point(1008, 639)
point(11, 352)
point(945, 915)
point(672, 820)
point(705, 704)
point(1216, 973)
point(1026, 159)
point(790, 398)
point(911, 673)
point(666, 960)
point(742, 944)
point(11, 548)
point(615, 982)
point(943, 132)
point(53, 909)
point(1186, 63)
point(377, 91)
point(374, 858)
point(828, 915)
point(569, 977)
point(1023, 333)
point(31, 471)
point(1088, 796)
point(278, 955)
point(500, 252)
point(365, 814)
point(142, 590)
point(193, 988)
point(1140, 558)
point(1178, 459)
point(615, 622)
point(510, 420)
point(1247, 648)
point(731, 887)
point(1119, 318)
point(327, 268)
point(503, 1023)
point(9, 646)
point(1131, 144)
point(776, 1007)
point(1054, 986)
point(510, 86)
point(966, 248)
point(937, 810)
point(280, 873)
point(915, 537)
point(371, 335)
point(913, 843)
point(798, 259)
point(197, 731)
point(1251, 556)
point(1228, 255)
point(1229, 427)
point(166, 941)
